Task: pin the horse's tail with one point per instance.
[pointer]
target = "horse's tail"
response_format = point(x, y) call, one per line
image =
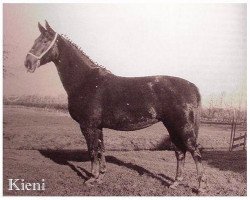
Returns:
point(197, 112)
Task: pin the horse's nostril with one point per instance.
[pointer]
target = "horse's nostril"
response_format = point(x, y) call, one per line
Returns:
point(27, 63)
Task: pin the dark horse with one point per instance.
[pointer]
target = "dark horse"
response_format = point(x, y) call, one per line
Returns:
point(98, 99)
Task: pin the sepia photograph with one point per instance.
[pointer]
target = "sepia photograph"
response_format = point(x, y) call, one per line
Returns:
point(124, 99)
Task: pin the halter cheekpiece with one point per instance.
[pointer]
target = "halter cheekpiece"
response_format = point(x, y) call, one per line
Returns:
point(50, 46)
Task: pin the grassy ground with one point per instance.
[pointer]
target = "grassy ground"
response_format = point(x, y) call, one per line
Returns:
point(24, 128)
point(39, 144)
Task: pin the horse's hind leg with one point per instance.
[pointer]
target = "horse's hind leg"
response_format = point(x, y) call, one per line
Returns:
point(195, 152)
point(180, 156)
point(189, 138)
point(185, 140)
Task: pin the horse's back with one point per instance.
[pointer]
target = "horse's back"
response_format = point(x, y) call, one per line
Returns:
point(168, 89)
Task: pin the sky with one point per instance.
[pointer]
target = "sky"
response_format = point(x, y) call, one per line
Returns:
point(203, 43)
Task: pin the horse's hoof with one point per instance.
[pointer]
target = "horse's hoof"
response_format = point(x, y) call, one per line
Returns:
point(174, 185)
point(201, 191)
point(100, 178)
point(90, 182)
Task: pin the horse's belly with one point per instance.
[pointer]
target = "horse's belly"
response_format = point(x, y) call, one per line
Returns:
point(129, 121)
point(133, 126)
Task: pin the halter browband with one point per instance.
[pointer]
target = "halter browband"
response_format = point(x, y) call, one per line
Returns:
point(50, 46)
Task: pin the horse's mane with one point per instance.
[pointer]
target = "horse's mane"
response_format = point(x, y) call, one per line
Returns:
point(84, 56)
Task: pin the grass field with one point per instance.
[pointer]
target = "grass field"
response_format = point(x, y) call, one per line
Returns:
point(41, 144)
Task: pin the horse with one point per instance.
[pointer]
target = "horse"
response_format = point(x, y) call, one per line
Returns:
point(99, 99)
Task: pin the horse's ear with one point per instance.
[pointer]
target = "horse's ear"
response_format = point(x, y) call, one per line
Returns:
point(49, 29)
point(41, 28)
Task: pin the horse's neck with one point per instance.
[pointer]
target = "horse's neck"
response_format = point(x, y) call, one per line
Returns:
point(72, 68)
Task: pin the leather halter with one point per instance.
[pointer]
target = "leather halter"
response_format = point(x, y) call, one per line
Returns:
point(50, 46)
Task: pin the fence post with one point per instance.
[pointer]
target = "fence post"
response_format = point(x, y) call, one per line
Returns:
point(232, 132)
point(245, 140)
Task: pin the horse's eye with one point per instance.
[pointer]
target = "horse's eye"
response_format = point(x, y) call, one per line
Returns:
point(44, 42)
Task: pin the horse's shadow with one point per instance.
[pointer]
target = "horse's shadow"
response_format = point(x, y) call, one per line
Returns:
point(66, 157)
point(235, 161)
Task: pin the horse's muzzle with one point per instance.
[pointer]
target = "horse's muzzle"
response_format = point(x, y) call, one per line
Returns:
point(31, 63)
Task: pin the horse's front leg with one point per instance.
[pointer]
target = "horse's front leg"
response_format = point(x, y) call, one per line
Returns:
point(101, 156)
point(92, 138)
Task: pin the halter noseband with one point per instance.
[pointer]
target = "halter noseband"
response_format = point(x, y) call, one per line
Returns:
point(50, 46)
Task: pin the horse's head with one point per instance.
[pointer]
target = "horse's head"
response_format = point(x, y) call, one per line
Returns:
point(44, 49)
